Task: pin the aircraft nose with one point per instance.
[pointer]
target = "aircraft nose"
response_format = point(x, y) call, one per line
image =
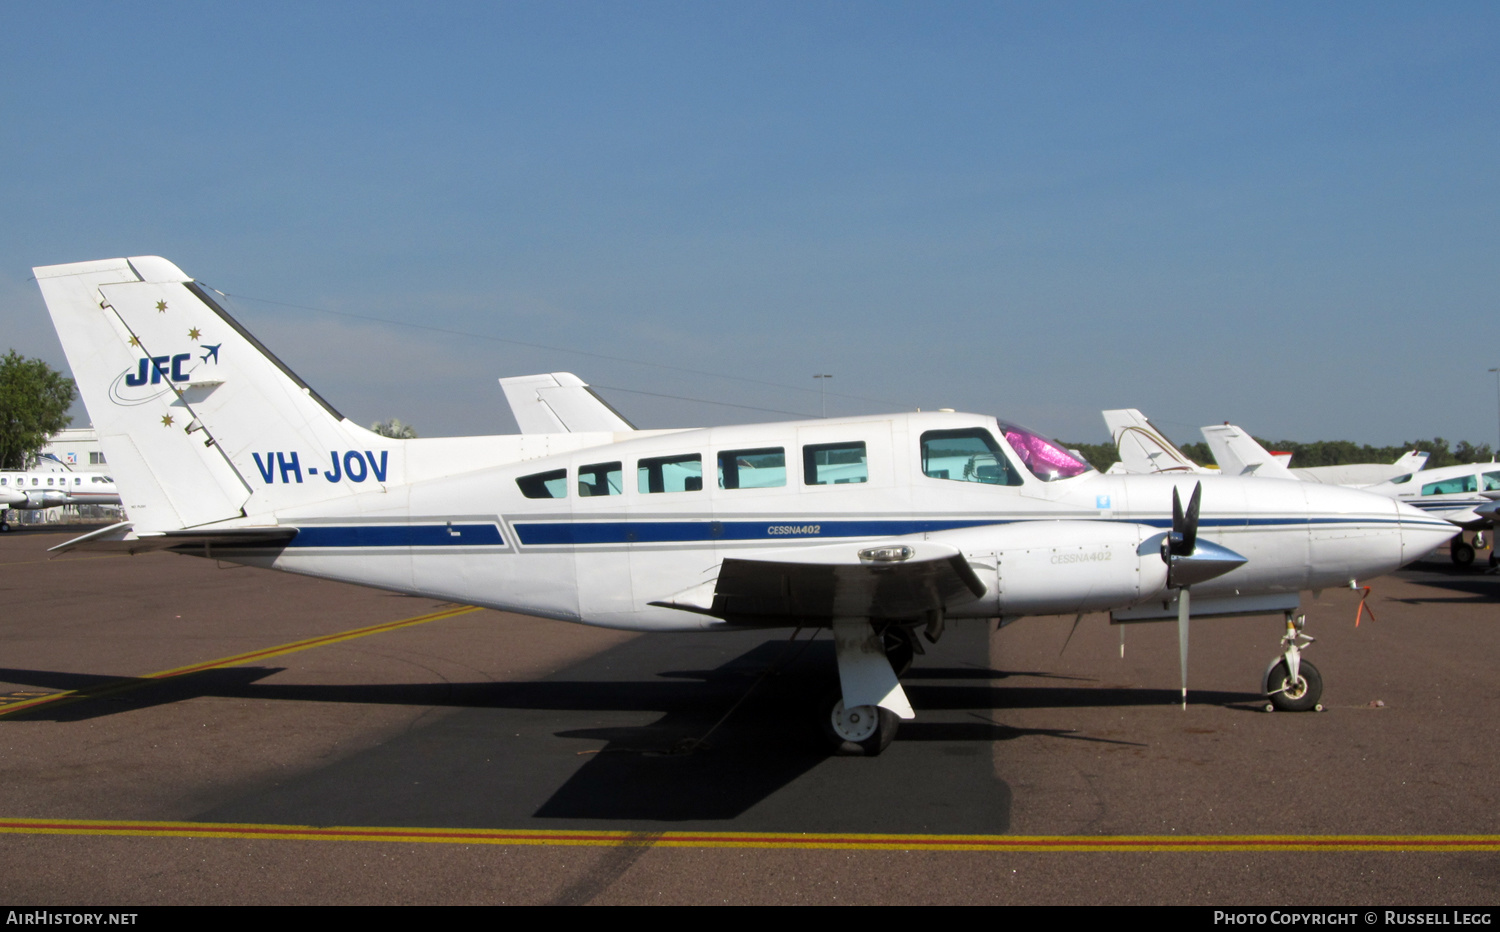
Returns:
point(1357, 535)
point(1421, 533)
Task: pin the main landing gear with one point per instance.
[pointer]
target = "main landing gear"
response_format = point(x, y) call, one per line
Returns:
point(1292, 684)
point(861, 717)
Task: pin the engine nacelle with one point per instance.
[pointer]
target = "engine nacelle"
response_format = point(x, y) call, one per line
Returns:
point(1060, 567)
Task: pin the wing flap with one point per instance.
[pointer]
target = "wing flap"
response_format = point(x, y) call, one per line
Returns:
point(900, 579)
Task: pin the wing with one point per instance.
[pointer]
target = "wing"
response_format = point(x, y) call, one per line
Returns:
point(892, 579)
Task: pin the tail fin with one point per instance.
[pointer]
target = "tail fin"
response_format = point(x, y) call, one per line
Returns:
point(199, 422)
point(560, 403)
point(1411, 462)
point(1238, 454)
point(1144, 449)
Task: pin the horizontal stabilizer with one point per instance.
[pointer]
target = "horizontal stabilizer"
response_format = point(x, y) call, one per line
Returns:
point(122, 538)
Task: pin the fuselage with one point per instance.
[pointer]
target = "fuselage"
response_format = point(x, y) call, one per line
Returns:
point(1448, 492)
point(598, 534)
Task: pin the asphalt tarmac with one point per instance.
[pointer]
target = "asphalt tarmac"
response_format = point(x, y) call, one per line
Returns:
point(178, 731)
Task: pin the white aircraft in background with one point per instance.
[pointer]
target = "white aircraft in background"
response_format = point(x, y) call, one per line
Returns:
point(560, 403)
point(1239, 454)
point(33, 490)
point(1144, 450)
point(1460, 494)
point(875, 527)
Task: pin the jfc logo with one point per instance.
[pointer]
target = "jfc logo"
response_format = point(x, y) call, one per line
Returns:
point(154, 375)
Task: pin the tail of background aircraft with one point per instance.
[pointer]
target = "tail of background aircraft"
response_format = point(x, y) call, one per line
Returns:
point(1412, 461)
point(199, 422)
point(1144, 449)
point(560, 403)
point(1239, 454)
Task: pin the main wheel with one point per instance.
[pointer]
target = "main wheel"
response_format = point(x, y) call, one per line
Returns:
point(1462, 553)
point(1301, 696)
point(864, 730)
point(1494, 558)
point(900, 649)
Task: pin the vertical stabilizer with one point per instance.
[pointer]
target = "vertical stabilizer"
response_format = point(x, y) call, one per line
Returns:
point(1144, 450)
point(199, 422)
point(1238, 453)
point(560, 403)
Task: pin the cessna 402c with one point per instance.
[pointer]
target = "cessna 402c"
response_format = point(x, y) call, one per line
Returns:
point(875, 527)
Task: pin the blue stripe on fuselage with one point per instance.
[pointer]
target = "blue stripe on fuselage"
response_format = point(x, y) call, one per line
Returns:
point(573, 533)
point(399, 535)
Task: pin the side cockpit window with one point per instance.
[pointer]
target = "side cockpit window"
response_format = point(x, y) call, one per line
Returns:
point(1046, 459)
point(1454, 486)
point(970, 455)
point(553, 484)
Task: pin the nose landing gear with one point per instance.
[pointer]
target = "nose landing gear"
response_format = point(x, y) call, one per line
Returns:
point(1291, 683)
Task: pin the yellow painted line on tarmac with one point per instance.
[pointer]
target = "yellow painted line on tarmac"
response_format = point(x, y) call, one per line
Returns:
point(1029, 844)
point(127, 684)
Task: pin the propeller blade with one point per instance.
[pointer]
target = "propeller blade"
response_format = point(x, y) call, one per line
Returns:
point(1178, 521)
point(1183, 611)
point(1190, 525)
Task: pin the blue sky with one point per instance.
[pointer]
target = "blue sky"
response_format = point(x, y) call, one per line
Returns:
point(1283, 215)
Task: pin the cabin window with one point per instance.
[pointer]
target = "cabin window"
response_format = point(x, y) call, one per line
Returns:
point(966, 456)
point(4, 481)
point(835, 463)
point(601, 479)
point(670, 474)
point(1492, 482)
point(49, 481)
point(552, 484)
point(752, 469)
point(1452, 486)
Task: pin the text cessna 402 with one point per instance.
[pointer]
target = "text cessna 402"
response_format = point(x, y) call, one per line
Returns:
point(875, 527)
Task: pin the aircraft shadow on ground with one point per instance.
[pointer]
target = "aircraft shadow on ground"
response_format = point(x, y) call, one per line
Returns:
point(591, 758)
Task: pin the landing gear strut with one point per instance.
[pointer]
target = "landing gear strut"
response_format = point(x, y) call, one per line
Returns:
point(861, 718)
point(901, 648)
point(1292, 684)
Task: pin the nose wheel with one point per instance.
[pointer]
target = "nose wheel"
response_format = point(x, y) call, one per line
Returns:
point(1291, 683)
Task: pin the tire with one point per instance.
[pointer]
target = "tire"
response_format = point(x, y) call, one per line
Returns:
point(900, 648)
point(1462, 554)
point(865, 731)
point(1494, 558)
point(1302, 697)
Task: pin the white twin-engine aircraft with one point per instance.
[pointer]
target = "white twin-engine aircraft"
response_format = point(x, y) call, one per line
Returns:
point(876, 527)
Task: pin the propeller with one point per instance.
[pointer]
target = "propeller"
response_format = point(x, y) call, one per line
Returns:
point(1190, 561)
